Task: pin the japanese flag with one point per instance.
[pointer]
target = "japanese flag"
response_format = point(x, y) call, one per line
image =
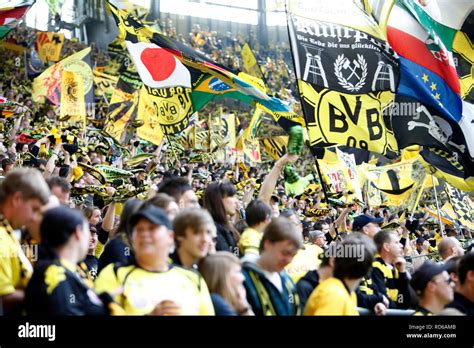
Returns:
point(157, 67)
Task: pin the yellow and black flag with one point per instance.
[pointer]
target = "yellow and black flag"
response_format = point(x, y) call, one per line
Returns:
point(275, 146)
point(49, 46)
point(347, 77)
point(463, 206)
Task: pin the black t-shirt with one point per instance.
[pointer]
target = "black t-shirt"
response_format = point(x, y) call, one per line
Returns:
point(116, 251)
point(57, 289)
point(92, 264)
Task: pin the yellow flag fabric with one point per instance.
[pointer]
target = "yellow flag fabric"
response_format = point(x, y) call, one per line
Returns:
point(350, 171)
point(47, 85)
point(250, 151)
point(275, 146)
point(250, 61)
point(72, 99)
point(251, 131)
point(121, 111)
point(396, 184)
point(49, 46)
point(465, 48)
point(463, 206)
point(339, 178)
point(151, 129)
point(380, 10)
point(447, 213)
point(173, 106)
point(327, 122)
point(105, 84)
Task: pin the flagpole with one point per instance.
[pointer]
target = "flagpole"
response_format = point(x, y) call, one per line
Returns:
point(323, 185)
point(437, 207)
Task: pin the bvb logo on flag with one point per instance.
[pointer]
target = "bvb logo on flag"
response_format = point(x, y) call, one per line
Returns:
point(84, 70)
point(173, 107)
point(71, 88)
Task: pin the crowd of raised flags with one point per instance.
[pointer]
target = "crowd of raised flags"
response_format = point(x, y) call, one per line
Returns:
point(383, 128)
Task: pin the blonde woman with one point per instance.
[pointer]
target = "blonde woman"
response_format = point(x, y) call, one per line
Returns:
point(222, 272)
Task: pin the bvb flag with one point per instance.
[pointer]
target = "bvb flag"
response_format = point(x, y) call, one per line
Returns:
point(151, 129)
point(48, 84)
point(49, 46)
point(346, 78)
point(73, 106)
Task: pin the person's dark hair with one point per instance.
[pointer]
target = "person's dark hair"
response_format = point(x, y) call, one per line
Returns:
point(7, 162)
point(318, 225)
point(466, 264)
point(58, 225)
point(88, 211)
point(175, 187)
point(194, 219)
point(213, 201)
point(359, 252)
point(57, 181)
point(64, 171)
point(39, 162)
point(129, 208)
point(256, 212)
point(281, 229)
point(452, 264)
point(382, 237)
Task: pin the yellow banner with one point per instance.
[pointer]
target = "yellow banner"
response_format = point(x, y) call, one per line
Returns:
point(48, 83)
point(173, 107)
point(73, 107)
point(250, 151)
point(151, 129)
point(49, 46)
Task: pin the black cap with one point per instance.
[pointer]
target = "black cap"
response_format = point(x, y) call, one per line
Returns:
point(362, 220)
point(427, 271)
point(154, 214)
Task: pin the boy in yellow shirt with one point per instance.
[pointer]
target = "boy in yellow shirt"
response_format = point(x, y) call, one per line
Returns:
point(336, 295)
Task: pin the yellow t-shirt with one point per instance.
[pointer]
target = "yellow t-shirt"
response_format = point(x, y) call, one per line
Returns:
point(143, 290)
point(305, 260)
point(331, 298)
point(249, 242)
point(15, 269)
